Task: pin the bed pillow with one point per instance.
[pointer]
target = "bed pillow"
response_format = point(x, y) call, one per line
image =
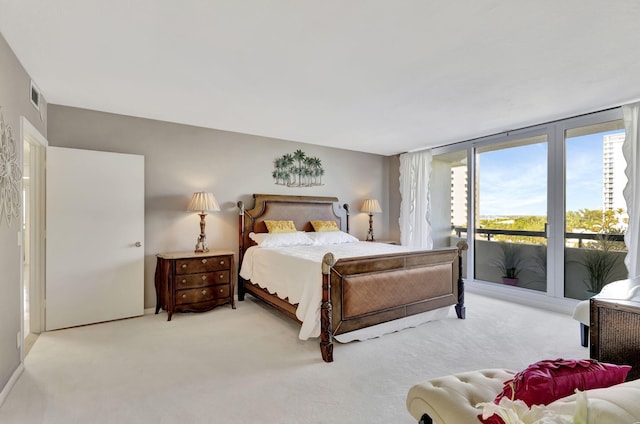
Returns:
point(299, 238)
point(324, 226)
point(277, 227)
point(331, 237)
point(546, 381)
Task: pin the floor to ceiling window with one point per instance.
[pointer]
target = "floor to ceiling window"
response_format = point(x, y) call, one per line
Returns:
point(595, 212)
point(511, 212)
point(450, 187)
point(543, 206)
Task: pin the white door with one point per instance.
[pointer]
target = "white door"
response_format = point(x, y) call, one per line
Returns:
point(95, 229)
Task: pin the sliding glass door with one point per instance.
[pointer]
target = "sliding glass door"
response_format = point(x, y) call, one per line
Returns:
point(449, 180)
point(511, 212)
point(542, 207)
point(595, 213)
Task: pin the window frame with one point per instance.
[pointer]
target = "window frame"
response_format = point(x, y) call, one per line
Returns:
point(553, 298)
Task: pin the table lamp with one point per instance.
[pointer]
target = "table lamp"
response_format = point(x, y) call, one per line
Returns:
point(371, 206)
point(202, 203)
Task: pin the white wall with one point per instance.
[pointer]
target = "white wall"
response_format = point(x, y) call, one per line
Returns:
point(180, 160)
point(14, 102)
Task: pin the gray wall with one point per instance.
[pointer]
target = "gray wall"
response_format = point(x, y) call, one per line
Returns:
point(180, 160)
point(14, 102)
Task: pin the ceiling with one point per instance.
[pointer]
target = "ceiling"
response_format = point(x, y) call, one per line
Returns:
point(375, 76)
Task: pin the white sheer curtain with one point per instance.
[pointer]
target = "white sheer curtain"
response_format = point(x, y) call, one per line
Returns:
point(631, 192)
point(415, 206)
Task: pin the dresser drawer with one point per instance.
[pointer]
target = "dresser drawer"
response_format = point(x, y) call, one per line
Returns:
point(203, 294)
point(200, 265)
point(185, 281)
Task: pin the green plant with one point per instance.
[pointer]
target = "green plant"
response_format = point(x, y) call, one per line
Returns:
point(600, 263)
point(510, 260)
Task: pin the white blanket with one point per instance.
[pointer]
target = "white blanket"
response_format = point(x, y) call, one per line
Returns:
point(295, 273)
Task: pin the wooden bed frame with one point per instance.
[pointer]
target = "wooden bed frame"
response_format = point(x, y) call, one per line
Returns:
point(356, 292)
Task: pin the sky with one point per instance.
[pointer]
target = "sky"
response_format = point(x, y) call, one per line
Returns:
point(514, 181)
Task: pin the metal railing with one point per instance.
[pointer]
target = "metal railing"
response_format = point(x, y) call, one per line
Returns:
point(489, 232)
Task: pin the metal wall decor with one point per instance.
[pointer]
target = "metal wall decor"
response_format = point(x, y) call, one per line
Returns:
point(298, 170)
point(10, 174)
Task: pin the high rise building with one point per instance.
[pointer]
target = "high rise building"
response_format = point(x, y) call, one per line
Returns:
point(613, 178)
point(459, 195)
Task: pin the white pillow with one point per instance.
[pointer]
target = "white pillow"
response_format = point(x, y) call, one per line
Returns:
point(331, 237)
point(281, 239)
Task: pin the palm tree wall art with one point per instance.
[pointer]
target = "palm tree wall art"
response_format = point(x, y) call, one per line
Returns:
point(297, 170)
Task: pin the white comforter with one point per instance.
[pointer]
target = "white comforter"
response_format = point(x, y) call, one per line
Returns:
point(296, 273)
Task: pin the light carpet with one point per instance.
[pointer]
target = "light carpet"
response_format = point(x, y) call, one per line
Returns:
point(247, 365)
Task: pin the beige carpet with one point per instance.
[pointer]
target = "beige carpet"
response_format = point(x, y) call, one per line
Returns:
point(247, 366)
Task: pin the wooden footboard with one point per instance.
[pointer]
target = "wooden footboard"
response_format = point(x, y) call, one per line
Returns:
point(365, 291)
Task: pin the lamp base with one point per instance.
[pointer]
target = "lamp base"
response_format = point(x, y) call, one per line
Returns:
point(202, 246)
point(370, 233)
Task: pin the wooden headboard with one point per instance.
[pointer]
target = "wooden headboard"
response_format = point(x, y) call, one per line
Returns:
point(299, 209)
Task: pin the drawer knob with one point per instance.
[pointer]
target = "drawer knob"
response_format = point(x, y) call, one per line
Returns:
point(184, 281)
point(204, 292)
point(221, 290)
point(184, 296)
point(221, 262)
point(204, 277)
point(204, 261)
point(221, 276)
point(184, 265)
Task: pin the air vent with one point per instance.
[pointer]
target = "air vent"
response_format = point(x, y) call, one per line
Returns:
point(34, 96)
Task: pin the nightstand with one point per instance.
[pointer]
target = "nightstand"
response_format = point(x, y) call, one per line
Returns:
point(194, 282)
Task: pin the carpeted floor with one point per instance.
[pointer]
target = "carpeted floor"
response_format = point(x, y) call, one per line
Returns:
point(247, 366)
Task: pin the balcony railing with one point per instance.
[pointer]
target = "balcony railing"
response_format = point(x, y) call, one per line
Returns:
point(489, 232)
point(534, 275)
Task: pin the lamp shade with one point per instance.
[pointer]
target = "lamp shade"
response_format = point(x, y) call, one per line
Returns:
point(371, 206)
point(203, 201)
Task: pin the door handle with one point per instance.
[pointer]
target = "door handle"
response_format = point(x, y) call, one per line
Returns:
point(138, 244)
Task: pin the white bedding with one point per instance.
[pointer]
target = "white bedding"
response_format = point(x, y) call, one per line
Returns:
point(295, 272)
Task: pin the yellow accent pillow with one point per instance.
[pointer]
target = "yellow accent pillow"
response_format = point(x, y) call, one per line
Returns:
point(277, 227)
point(324, 226)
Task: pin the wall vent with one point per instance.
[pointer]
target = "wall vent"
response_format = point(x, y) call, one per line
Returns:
point(34, 96)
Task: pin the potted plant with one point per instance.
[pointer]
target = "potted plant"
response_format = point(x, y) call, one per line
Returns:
point(510, 262)
point(600, 263)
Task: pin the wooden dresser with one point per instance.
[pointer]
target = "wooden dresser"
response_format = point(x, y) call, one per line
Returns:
point(194, 282)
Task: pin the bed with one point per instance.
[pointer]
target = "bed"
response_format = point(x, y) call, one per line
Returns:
point(351, 292)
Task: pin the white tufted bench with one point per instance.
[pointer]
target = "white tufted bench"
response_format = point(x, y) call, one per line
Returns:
point(452, 399)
